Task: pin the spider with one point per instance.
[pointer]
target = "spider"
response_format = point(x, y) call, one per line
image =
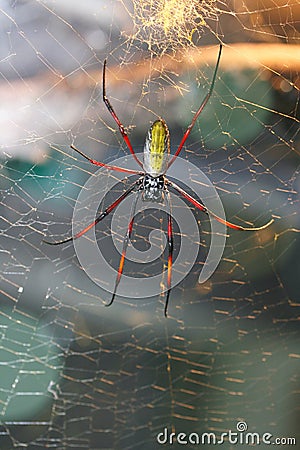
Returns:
point(152, 185)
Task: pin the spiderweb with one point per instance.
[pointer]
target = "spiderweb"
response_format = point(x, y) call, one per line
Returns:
point(73, 373)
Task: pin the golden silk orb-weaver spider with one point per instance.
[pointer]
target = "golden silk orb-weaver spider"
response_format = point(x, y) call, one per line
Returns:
point(152, 183)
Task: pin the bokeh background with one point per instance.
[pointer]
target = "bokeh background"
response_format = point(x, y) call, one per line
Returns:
point(74, 374)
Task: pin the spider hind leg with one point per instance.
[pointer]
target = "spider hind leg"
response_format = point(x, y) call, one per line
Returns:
point(126, 241)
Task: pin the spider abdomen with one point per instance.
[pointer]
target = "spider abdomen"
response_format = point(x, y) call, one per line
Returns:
point(157, 149)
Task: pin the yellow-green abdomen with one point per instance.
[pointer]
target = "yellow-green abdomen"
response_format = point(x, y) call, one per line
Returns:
point(157, 149)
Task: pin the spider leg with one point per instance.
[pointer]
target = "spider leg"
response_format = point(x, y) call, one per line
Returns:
point(207, 211)
point(199, 111)
point(170, 249)
point(107, 166)
point(124, 250)
point(108, 210)
point(115, 117)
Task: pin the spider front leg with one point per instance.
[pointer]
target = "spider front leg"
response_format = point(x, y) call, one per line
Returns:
point(199, 110)
point(207, 211)
point(115, 117)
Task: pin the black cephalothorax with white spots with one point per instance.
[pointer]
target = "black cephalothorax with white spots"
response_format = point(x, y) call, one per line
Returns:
point(153, 188)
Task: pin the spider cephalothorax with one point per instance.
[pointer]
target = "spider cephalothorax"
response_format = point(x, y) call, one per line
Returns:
point(152, 188)
point(152, 183)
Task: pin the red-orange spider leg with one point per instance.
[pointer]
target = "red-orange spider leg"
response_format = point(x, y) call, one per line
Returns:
point(219, 219)
point(117, 120)
point(107, 166)
point(198, 112)
point(99, 218)
point(124, 250)
point(170, 253)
